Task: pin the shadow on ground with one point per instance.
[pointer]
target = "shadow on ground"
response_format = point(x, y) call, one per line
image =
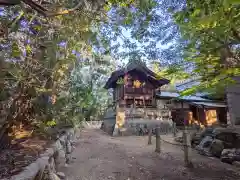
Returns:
point(101, 157)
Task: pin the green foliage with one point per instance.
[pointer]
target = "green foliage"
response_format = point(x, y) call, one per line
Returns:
point(51, 123)
point(120, 81)
point(55, 66)
point(211, 32)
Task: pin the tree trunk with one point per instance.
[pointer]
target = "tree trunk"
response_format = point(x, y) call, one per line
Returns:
point(9, 2)
point(233, 92)
point(233, 99)
point(4, 138)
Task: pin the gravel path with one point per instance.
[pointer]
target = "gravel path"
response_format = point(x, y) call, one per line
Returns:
point(101, 157)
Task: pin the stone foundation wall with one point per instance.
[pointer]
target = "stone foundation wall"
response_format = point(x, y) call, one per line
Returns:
point(108, 125)
point(92, 124)
point(132, 121)
point(142, 126)
point(151, 113)
point(129, 121)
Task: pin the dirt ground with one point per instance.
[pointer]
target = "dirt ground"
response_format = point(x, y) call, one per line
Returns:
point(101, 157)
point(14, 158)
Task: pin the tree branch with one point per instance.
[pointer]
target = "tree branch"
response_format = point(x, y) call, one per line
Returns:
point(9, 2)
point(236, 34)
point(67, 11)
point(37, 7)
point(40, 9)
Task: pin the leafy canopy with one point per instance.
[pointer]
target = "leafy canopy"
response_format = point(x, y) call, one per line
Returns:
point(210, 29)
point(45, 45)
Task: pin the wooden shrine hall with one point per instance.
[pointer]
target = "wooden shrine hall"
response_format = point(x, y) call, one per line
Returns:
point(137, 99)
point(134, 95)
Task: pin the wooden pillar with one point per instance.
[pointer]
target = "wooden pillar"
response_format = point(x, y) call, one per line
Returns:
point(144, 104)
point(222, 115)
point(186, 160)
point(158, 140)
point(186, 155)
point(174, 130)
point(202, 116)
point(198, 119)
point(149, 136)
point(134, 108)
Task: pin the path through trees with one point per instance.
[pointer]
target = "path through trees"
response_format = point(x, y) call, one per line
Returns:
point(101, 157)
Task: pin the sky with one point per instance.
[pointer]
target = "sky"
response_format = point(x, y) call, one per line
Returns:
point(160, 29)
point(126, 33)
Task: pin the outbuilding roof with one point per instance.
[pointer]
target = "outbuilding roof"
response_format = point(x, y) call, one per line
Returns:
point(170, 95)
point(210, 104)
point(194, 100)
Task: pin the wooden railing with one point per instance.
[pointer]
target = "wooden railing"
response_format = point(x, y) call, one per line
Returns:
point(130, 90)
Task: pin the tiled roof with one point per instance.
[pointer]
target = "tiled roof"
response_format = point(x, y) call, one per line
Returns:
point(194, 100)
point(139, 67)
point(210, 104)
point(188, 84)
point(176, 95)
